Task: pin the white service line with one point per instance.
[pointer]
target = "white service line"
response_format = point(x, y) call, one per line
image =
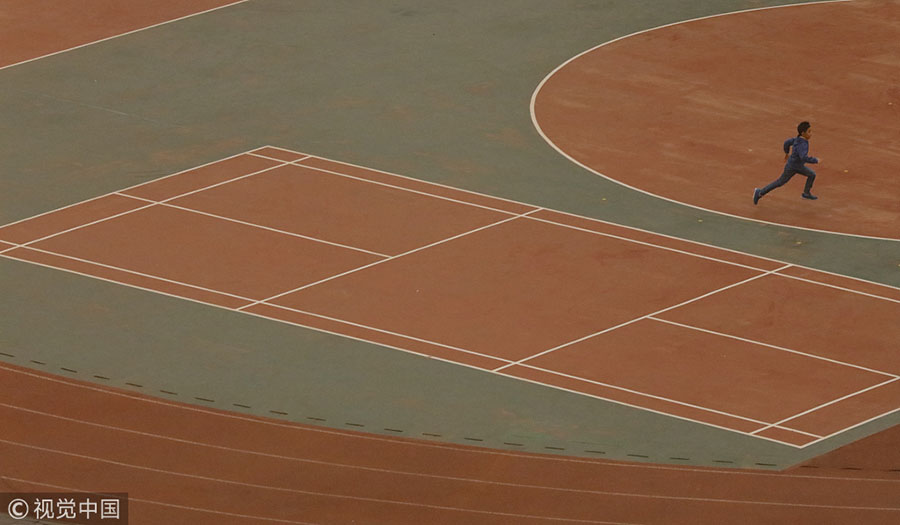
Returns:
point(254, 225)
point(636, 319)
point(823, 405)
point(409, 190)
point(125, 270)
point(414, 250)
point(775, 347)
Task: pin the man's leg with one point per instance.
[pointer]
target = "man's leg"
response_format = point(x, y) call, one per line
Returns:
point(780, 181)
point(810, 178)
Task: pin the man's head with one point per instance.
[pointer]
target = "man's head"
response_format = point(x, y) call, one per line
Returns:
point(804, 129)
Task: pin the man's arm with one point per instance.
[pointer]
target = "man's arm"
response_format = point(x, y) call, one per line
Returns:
point(801, 148)
point(787, 148)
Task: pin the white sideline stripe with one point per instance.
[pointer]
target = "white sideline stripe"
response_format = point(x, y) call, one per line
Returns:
point(254, 225)
point(775, 347)
point(27, 244)
point(391, 258)
point(410, 190)
point(823, 405)
point(122, 34)
point(645, 243)
point(383, 331)
point(636, 319)
point(214, 305)
point(669, 400)
point(856, 425)
point(559, 150)
point(98, 197)
point(841, 288)
point(125, 270)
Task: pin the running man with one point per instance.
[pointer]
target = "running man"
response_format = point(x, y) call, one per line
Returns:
point(796, 159)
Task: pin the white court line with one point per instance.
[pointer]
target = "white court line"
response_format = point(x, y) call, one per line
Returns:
point(273, 488)
point(125, 270)
point(841, 288)
point(636, 319)
point(409, 190)
point(856, 425)
point(122, 34)
point(823, 405)
point(214, 305)
point(391, 258)
point(383, 331)
point(559, 150)
point(98, 197)
point(117, 215)
point(775, 347)
point(668, 400)
point(645, 243)
point(254, 225)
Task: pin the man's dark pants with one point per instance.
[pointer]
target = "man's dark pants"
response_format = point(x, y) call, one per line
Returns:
point(790, 171)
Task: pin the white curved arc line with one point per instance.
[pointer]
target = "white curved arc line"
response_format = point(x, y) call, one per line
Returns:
point(559, 150)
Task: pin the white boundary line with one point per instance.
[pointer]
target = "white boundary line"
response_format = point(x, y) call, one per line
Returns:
point(559, 150)
point(774, 347)
point(391, 258)
point(138, 185)
point(777, 424)
point(636, 319)
point(121, 35)
point(253, 225)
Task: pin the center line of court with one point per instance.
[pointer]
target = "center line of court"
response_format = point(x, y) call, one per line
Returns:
point(254, 225)
point(391, 258)
point(823, 405)
point(636, 319)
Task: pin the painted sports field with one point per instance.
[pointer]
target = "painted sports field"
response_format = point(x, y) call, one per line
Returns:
point(283, 261)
